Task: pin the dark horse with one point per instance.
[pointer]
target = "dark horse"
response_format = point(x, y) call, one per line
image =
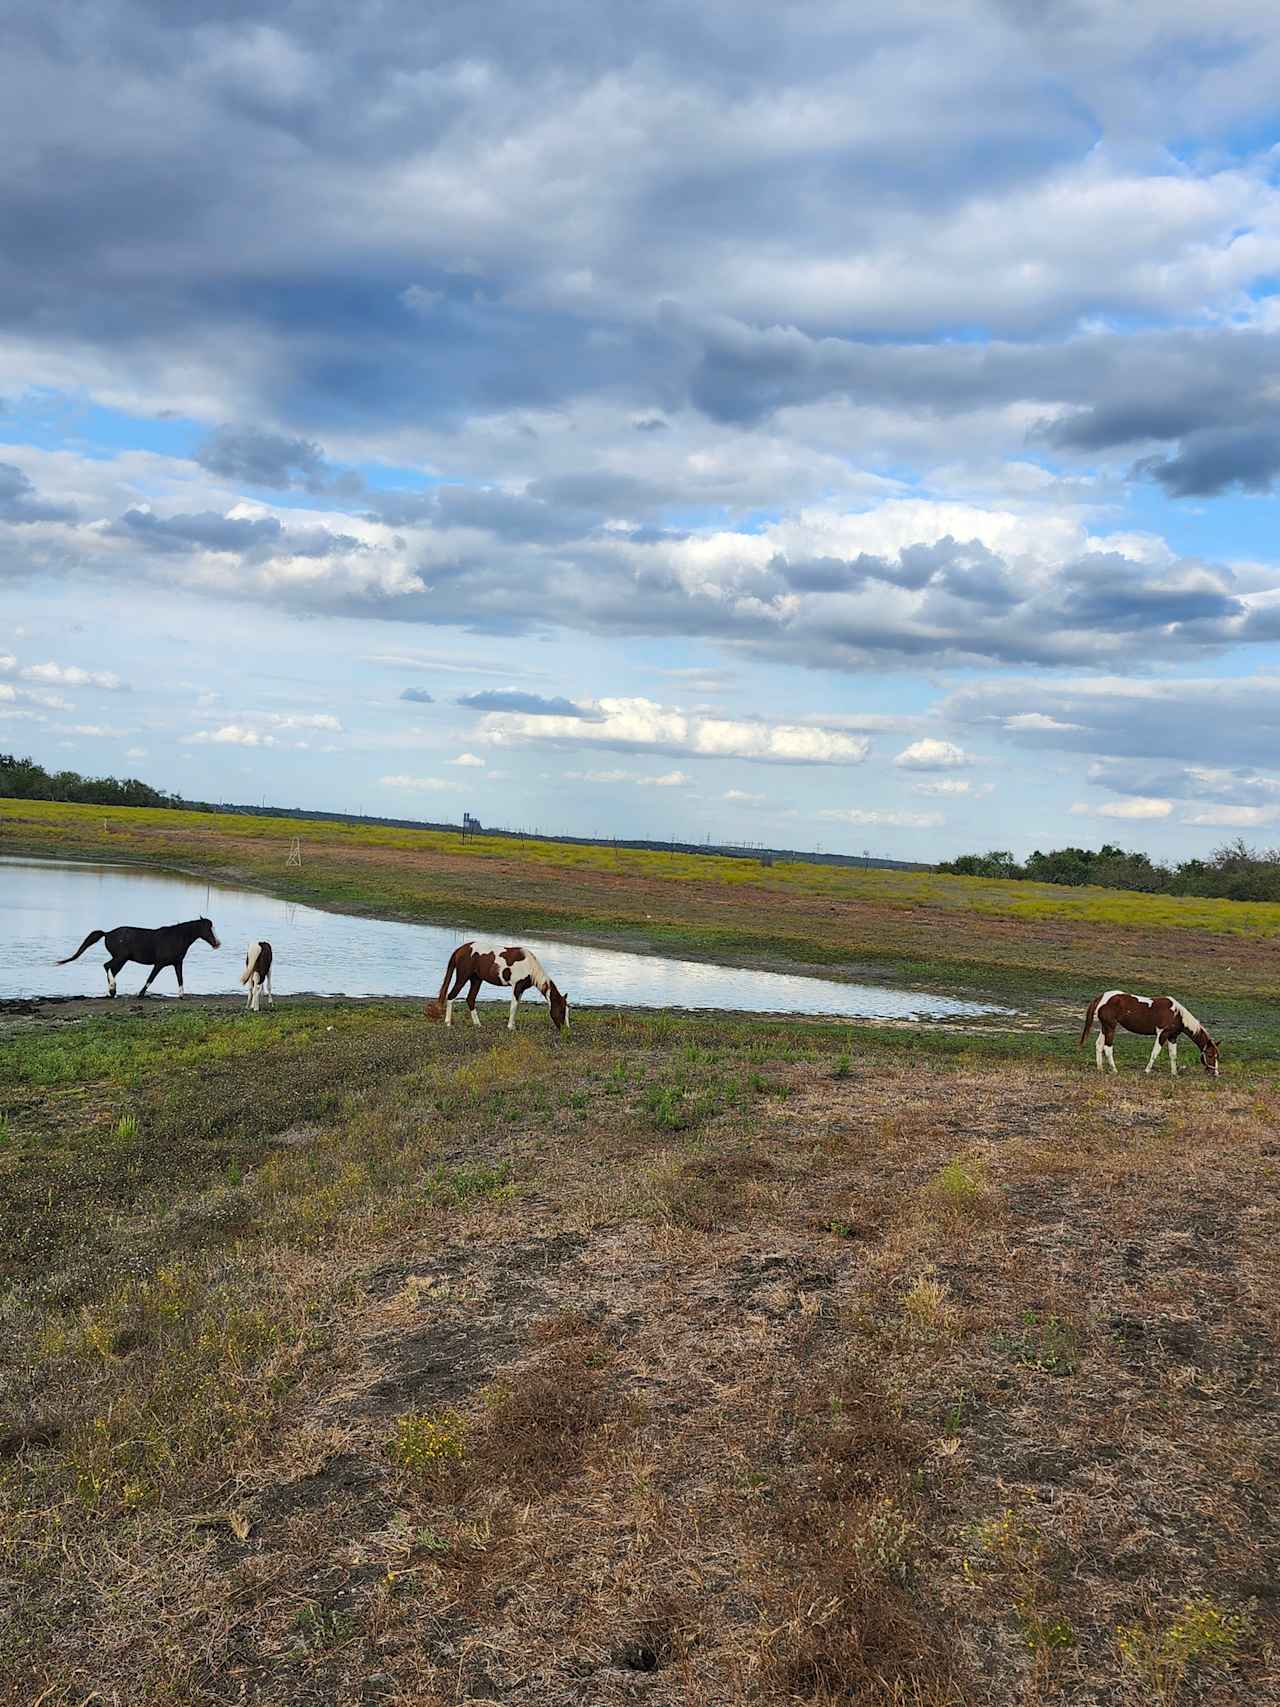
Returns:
point(157, 949)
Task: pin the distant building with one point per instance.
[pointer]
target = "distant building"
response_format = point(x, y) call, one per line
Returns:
point(471, 826)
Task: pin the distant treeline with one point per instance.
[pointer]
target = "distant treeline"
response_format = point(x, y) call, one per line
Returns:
point(1233, 872)
point(24, 779)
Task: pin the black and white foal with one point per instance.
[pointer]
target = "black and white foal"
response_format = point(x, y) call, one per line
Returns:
point(257, 975)
point(157, 949)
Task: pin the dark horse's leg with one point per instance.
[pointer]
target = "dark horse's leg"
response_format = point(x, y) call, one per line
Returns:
point(111, 967)
point(177, 972)
point(158, 967)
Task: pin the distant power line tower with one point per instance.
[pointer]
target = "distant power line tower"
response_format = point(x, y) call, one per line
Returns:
point(295, 852)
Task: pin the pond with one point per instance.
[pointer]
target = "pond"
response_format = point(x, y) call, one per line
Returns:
point(48, 907)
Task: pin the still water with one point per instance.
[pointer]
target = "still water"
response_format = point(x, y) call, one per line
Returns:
point(48, 907)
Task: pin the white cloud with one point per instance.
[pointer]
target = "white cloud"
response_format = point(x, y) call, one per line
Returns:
point(930, 754)
point(307, 720)
point(230, 735)
point(1141, 807)
point(642, 725)
point(420, 783)
point(953, 785)
point(894, 820)
point(1033, 720)
point(97, 730)
point(136, 753)
point(669, 779)
point(1234, 817)
point(469, 761)
point(741, 798)
point(72, 676)
point(598, 776)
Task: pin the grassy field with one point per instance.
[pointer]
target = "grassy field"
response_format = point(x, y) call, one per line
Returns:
point(953, 933)
point(347, 1359)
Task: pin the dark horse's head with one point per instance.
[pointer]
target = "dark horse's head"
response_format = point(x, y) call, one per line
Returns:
point(559, 1007)
point(204, 932)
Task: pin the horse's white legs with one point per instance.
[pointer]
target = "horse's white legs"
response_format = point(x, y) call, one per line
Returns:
point(1099, 1046)
point(448, 1013)
point(511, 1023)
point(1173, 1058)
point(271, 1001)
point(111, 982)
point(475, 1017)
point(1155, 1054)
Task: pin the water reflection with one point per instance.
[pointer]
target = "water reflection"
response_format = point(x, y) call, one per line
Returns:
point(48, 907)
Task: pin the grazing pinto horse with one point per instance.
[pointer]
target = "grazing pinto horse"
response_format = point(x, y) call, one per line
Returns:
point(256, 974)
point(514, 969)
point(157, 949)
point(1150, 1016)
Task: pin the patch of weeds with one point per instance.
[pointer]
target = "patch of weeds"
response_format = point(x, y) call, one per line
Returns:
point(1044, 1633)
point(842, 1068)
point(127, 1128)
point(959, 1192)
point(474, 1182)
point(768, 1087)
point(426, 1442)
point(843, 1229)
point(928, 1307)
point(1045, 1342)
point(322, 1627)
point(1203, 1633)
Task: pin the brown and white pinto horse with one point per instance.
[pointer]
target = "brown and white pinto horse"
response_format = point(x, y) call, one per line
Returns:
point(1150, 1016)
point(514, 969)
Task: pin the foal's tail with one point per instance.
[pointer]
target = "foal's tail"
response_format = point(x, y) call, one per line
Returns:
point(93, 936)
point(250, 961)
point(435, 1009)
point(1088, 1020)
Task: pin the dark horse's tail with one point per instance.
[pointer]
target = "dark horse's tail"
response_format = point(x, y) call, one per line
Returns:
point(93, 936)
point(1088, 1020)
point(435, 1010)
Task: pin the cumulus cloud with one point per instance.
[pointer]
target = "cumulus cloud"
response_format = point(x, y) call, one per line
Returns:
point(1233, 817)
point(426, 784)
point(258, 458)
point(230, 735)
point(930, 754)
point(884, 819)
point(642, 725)
point(418, 696)
point(21, 504)
point(470, 761)
point(1137, 809)
point(66, 675)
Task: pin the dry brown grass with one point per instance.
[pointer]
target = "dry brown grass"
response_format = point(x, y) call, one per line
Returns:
point(931, 1385)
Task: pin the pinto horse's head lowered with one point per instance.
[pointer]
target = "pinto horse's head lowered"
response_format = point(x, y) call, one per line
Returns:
point(559, 1007)
point(1208, 1054)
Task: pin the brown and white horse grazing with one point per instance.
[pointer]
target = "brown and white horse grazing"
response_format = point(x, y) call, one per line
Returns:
point(257, 975)
point(514, 969)
point(1150, 1016)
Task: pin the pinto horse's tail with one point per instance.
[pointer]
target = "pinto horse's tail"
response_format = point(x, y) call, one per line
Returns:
point(250, 961)
point(435, 1009)
point(93, 936)
point(1088, 1020)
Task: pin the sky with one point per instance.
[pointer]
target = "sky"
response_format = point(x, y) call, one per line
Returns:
point(846, 425)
